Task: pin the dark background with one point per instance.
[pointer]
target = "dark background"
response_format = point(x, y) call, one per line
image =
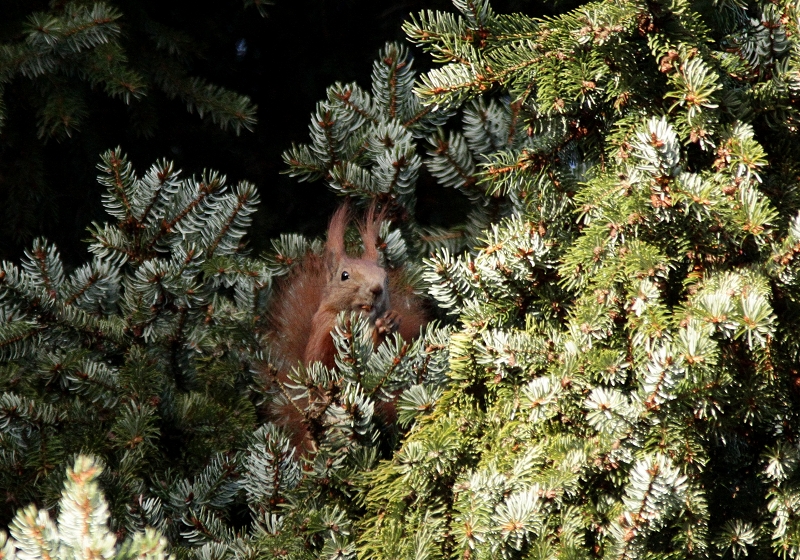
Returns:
point(283, 62)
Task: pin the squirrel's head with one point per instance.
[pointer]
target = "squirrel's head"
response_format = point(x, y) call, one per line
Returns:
point(356, 284)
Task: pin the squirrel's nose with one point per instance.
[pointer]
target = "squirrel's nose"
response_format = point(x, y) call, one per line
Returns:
point(376, 290)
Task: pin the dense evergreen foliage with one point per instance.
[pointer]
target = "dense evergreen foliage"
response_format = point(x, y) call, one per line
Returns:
point(281, 62)
point(614, 371)
point(77, 75)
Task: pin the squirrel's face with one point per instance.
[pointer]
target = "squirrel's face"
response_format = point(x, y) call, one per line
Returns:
point(360, 285)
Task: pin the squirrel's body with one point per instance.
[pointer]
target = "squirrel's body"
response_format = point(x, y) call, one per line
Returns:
point(309, 300)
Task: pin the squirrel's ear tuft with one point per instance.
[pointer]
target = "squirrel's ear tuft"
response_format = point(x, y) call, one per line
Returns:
point(334, 246)
point(370, 229)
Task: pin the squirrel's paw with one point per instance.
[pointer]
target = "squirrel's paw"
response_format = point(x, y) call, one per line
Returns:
point(388, 323)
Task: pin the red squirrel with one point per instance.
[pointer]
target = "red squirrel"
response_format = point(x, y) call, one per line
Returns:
point(308, 301)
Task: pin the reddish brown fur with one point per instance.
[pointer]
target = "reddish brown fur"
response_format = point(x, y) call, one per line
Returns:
point(308, 301)
point(370, 231)
point(294, 305)
point(334, 244)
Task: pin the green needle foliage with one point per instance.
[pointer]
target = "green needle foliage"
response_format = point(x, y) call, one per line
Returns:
point(112, 359)
point(615, 374)
point(72, 71)
point(155, 356)
point(81, 531)
point(61, 53)
point(624, 377)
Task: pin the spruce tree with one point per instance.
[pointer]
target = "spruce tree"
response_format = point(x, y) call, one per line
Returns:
point(74, 74)
point(81, 530)
point(613, 371)
point(623, 369)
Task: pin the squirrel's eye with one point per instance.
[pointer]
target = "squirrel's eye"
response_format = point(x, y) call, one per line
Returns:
point(345, 275)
